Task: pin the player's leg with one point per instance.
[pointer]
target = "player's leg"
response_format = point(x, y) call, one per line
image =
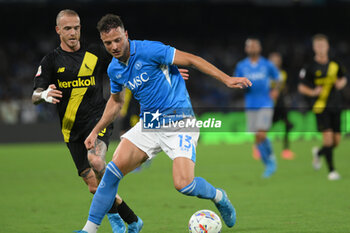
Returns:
point(120, 210)
point(186, 183)
point(335, 125)
point(181, 148)
point(126, 158)
point(324, 126)
point(262, 124)
point(91, 175)
point(251, 117)
point(287, 153)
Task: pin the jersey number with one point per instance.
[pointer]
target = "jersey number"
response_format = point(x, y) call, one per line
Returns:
point(185, 142)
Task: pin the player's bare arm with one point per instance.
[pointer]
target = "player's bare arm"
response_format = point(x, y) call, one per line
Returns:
point(312, 92)
point(50, 95)
point(186, 59)
point(113, 106)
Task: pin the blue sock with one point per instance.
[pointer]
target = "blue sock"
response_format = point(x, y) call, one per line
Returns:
point(264, 152)
point(199, 187)
point(105, 194)
point(268, 146)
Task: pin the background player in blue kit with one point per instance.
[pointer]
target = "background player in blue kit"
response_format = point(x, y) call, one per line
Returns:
point(144, 68)
point(259, 99)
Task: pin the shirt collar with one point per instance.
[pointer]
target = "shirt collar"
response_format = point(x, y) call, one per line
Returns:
point(132, 47)
point(132, 52)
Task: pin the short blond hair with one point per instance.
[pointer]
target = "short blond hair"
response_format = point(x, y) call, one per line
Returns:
point(65, 12)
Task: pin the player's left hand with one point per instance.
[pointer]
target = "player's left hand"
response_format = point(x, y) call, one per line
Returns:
point(184, 73)
point(240, 83)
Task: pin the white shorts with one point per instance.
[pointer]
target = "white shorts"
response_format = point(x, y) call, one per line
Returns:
point(260, 119)
point(174, 144)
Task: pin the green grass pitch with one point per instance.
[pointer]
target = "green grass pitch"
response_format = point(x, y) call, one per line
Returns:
point(41, 192)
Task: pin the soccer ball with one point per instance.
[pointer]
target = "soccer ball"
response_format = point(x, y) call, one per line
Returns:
point(204, 221)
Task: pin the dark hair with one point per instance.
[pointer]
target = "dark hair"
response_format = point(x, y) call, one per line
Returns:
point(108, 22)
point(253, 38)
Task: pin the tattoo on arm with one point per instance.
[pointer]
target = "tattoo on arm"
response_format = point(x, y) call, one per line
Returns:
point(85, 173)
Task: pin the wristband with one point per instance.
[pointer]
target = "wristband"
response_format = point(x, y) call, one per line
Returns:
point(44, 96)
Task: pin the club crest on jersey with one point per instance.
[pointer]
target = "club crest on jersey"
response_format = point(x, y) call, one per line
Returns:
point(138, 65)
point(118, 76)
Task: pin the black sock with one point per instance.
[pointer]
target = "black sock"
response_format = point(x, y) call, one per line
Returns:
point(321, 151)
point(114, 208)
point(329, 157)
point(126, 213)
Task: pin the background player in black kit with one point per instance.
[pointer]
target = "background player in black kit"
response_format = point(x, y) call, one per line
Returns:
point(322, 81)
point(71, 77)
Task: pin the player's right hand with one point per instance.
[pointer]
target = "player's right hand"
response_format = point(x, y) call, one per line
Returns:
point(317, 91)
point(235, 82)
point(51, 94)
point(90, 140)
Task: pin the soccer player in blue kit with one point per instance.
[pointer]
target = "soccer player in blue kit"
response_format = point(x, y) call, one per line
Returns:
point(144, 68)
point(259, 99)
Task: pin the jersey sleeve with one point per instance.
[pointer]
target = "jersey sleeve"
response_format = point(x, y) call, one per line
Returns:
point(305, 77)
point(274, 73)
point(160, 53)
point(115, 86)
point(44, 73)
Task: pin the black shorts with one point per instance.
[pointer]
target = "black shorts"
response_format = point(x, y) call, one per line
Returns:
point(328, 120)
point(78, 150)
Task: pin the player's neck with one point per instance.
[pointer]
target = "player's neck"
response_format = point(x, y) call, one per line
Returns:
point(126, 56)
point(322, 59)
point(254, 59)
point(66, 48)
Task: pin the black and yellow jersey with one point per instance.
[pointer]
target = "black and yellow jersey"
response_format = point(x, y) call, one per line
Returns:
point(79, 75)
point(324, 75)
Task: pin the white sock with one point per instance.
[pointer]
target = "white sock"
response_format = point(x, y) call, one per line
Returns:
point(218, 196)
point(91, 227)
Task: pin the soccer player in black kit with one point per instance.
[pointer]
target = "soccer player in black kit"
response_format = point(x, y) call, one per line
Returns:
point(323, 81)
point(71, 77)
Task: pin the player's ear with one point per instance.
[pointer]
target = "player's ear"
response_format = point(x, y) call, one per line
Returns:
point(57, 30)
point(126, 34)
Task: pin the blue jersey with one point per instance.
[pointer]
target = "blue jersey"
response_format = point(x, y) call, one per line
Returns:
point(155, 83)
point(260, 74)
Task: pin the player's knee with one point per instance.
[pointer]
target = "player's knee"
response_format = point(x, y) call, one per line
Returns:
point(96, 163)
point(182, 183)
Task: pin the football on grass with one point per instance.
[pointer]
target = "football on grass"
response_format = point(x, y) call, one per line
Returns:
point(204, 221)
